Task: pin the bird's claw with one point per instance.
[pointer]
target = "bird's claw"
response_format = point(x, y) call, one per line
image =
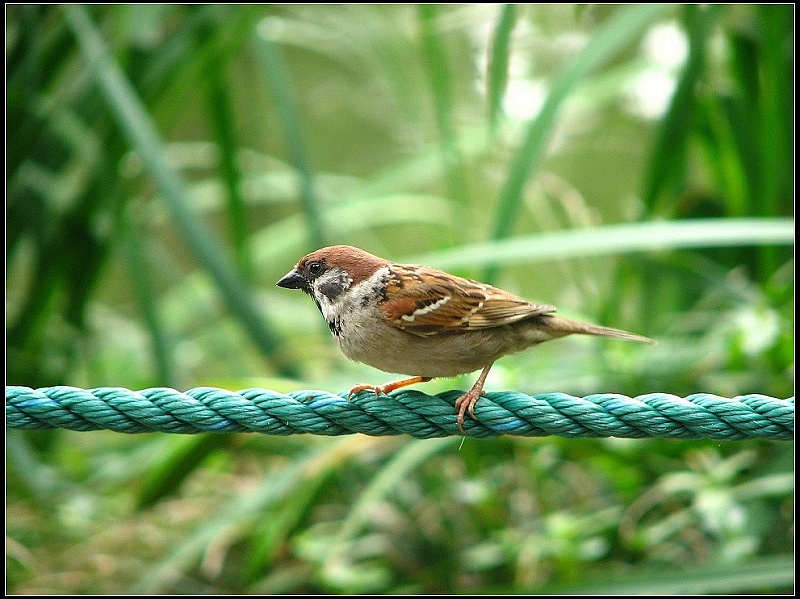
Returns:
point(377, 389)
point(466, 403)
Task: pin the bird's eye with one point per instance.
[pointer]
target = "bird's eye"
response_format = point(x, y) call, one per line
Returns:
point(315, 268)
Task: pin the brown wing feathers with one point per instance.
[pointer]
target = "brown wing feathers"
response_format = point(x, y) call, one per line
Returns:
point(425, 301)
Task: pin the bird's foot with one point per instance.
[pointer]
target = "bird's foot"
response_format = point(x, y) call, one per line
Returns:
point(388, 387)
point(467, 401)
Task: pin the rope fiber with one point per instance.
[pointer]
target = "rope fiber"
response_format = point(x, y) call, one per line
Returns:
point(208, 409)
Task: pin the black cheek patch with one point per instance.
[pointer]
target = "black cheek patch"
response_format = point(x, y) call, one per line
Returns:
point(331, 290)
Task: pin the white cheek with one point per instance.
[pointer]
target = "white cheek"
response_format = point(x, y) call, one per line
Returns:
point(326, 306)
point(369, 291)
point(347, 309)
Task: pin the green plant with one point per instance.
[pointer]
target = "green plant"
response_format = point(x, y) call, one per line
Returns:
point(166, 164)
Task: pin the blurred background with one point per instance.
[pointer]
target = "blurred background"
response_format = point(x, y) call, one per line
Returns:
point(166, 164)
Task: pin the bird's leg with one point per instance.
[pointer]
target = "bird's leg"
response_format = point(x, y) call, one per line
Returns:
point(388, 387)
point(470, 398)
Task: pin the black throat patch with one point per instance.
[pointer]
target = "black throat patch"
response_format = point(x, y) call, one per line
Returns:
point(335, 326)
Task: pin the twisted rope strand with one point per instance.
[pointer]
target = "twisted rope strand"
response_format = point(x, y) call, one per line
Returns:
point(208, 409)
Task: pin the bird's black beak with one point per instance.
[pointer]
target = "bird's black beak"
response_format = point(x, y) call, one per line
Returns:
point(293, 280)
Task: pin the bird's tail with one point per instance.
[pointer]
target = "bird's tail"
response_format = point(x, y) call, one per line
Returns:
point(568, 327)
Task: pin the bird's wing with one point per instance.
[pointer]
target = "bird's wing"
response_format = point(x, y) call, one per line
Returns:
point(426, 301)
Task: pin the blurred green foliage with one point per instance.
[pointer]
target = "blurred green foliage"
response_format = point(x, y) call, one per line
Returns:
point(166, 164)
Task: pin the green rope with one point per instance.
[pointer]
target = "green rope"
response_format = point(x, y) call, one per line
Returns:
point(207, 409)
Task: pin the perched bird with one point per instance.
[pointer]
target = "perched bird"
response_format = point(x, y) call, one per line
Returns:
point(419, 321)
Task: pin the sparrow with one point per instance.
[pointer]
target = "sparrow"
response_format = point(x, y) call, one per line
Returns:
point(423, 322)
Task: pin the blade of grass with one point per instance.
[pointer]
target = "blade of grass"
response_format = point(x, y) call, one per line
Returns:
point(769, 573)
point(143, 288)
point(268, 536)
point(168, 81)
point(356, 217)
point(439, 75)
point(667, 159)
point(420, 169)
point(497, 67)
point(221, 113)
point(280, 87)
point(132, 117)
point(240, 515)
point(182, 457)
point(395, 471)
point(776, 119)
point(614, 35)
point(619, 239)
point(776, 102)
